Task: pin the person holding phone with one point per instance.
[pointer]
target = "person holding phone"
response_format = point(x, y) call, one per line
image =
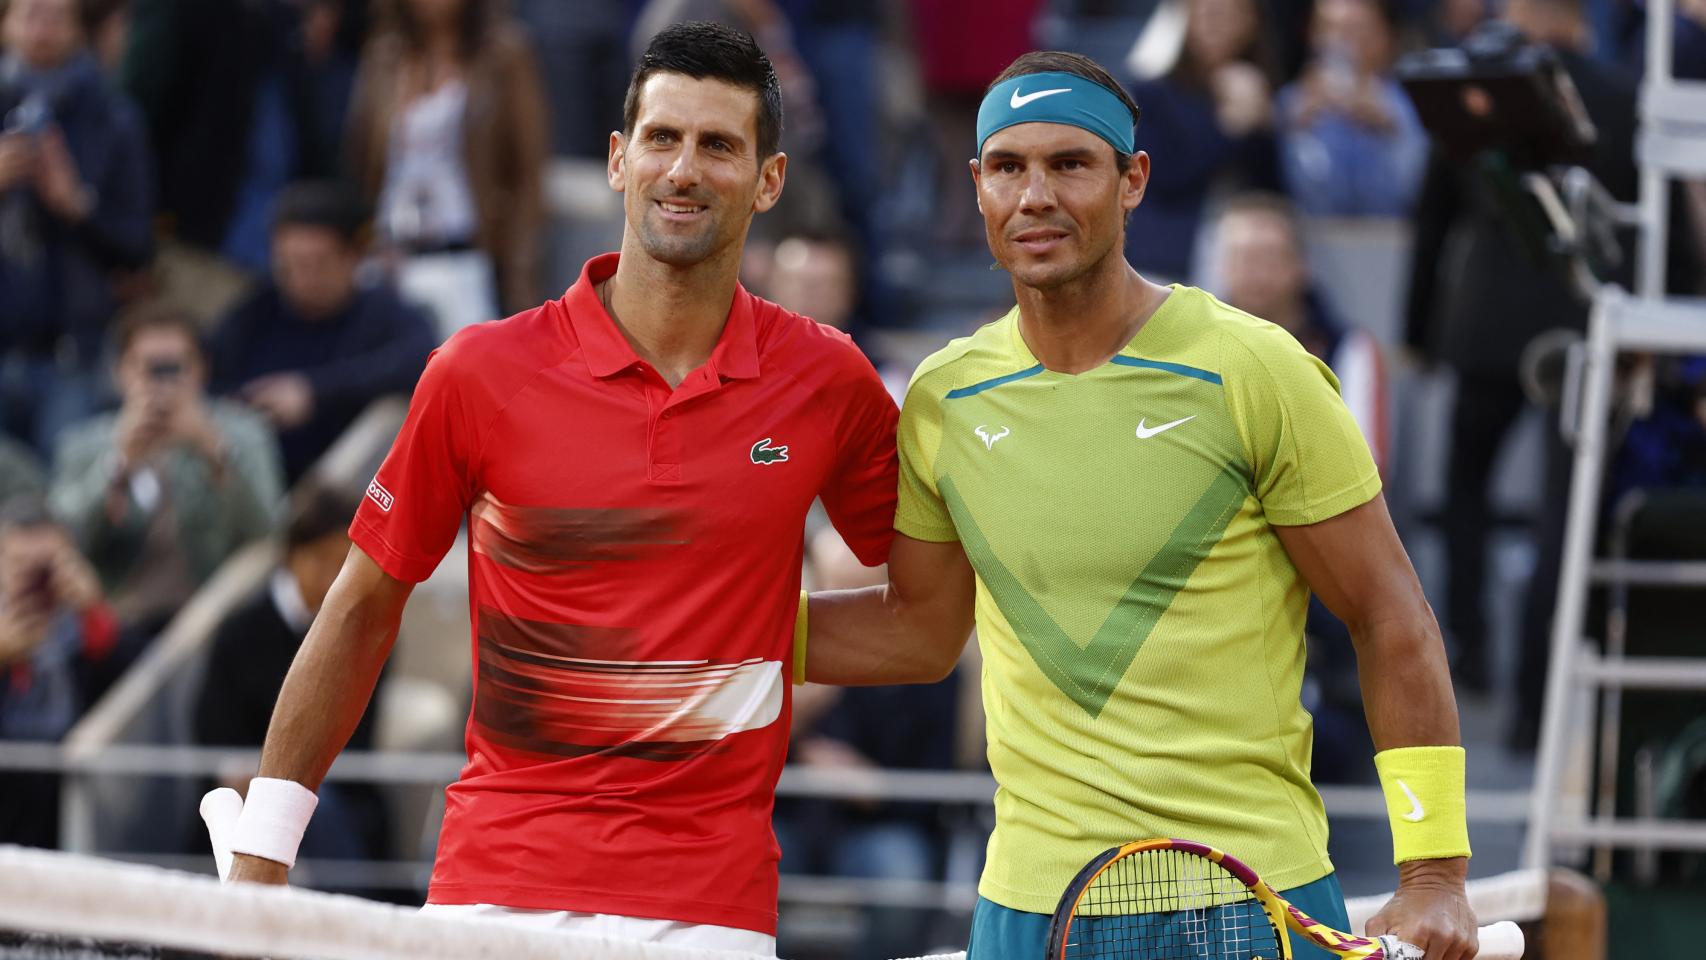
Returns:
point(76, 211)
point(161, 491)
point(58, 645)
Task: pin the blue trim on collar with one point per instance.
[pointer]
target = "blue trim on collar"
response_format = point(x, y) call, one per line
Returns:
point(1177, 368)
point(977, 388)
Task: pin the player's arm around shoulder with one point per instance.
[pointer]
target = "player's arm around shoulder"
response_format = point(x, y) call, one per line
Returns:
point(909, 630)
point(913, 628)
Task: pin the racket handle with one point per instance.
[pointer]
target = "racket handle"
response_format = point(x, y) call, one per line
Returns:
point(1500, 941)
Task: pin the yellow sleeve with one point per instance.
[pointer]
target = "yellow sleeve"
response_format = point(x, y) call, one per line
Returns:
point(920, 512)
point(1309, 460)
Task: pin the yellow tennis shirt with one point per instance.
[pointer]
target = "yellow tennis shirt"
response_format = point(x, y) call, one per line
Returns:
point(1141, 625)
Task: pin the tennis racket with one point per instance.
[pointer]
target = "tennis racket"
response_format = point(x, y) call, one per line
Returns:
point(1181, 900)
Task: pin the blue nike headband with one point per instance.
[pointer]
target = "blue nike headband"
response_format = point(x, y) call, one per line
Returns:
point(1056, 98)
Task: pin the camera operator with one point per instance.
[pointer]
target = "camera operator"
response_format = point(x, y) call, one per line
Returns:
point(58, 643)
point(1474, 309)
point(166, 488)
point(75, 208)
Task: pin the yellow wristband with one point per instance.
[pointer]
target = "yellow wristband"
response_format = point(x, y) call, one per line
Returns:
point(800, 641)
point(1424, 802)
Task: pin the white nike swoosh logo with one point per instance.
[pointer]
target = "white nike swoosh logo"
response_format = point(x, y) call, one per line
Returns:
point(1144, 433)
point(1416, 813)
point(1019, 101)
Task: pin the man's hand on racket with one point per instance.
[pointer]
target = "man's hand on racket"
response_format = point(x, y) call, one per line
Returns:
point(1430, 910)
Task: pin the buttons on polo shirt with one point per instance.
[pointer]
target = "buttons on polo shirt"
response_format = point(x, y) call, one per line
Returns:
point(667, 443)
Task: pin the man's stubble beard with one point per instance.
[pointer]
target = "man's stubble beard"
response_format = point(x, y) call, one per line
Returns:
point(1052, 277)
point(678, 251)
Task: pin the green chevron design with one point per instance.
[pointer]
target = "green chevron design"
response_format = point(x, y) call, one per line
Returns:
point(1088, 675)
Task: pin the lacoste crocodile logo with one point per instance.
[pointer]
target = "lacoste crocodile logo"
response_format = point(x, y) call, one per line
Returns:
point(764, 453)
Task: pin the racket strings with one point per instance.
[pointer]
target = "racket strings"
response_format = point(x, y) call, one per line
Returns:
point(1169, 905)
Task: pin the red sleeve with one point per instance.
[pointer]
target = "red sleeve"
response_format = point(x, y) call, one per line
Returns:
point(861, 491)
point(416, 502)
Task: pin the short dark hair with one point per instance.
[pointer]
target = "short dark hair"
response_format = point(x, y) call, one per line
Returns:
point(712, 51)
point(151, 315)
point(318, 509)
point(1077, 64)
point(332, 204)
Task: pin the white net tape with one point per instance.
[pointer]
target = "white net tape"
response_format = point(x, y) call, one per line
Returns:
point(73, 896)
point(67, 895)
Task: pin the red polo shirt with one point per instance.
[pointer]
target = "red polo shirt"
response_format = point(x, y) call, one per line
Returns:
point(633, 578)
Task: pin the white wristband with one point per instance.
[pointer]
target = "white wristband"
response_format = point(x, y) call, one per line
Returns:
point(275, 814)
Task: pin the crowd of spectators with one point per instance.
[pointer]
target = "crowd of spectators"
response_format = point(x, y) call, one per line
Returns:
point(227, 228)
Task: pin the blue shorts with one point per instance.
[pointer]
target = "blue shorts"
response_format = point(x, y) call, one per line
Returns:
point(1000, 933)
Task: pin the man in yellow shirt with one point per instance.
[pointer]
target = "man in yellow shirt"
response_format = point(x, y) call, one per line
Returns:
point(1135, 487)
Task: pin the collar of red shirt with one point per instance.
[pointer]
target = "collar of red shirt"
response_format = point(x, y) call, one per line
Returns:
point(607, 351)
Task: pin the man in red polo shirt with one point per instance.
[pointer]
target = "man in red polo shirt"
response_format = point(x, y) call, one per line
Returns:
point(635, 462)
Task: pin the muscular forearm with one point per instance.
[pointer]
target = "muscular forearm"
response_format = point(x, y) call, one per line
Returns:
point(331, 680)
point(1357, 565)
point(1406, 689)
point(873, 636)
point(1406, 684)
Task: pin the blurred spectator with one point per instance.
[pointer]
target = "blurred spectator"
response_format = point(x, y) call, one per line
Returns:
point(893, 728)
point(1350, 141)
point(448, 136)
point(840, 42)
point(961, 45)
point(1264, 270)
point(56, 638)
point(75, 206)
point(252, 649)
point(814, 276)
point(227, 91)
point(1620, 32)
point(162, 491)
point(1207, 121)
point(333, 32)
point(817, 275)
point(1667, 447)
point(20, 470)
point(585, 73)
point(1476, 316)
point(310, 349)
point(1688, 59)
point(1451, 21)
point(107, 25)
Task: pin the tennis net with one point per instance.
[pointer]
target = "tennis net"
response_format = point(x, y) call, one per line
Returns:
point(56, 906)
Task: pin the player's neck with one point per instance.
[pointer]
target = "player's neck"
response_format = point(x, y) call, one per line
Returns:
point(1081, 324)
point(671, 316)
